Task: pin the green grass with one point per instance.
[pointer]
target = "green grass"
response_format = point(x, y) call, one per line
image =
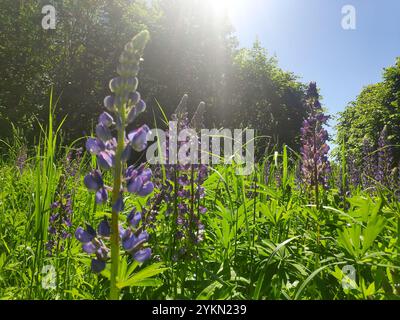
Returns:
point(263, 240)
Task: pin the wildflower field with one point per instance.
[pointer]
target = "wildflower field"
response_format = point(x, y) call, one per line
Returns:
point(95, 218)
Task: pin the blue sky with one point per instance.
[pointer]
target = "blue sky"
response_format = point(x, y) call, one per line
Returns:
point(308, 39)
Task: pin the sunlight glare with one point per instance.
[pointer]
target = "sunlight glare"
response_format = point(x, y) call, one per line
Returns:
point(220, 7)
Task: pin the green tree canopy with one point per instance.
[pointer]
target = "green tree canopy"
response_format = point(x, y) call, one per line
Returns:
point(191, 51)
point(376, 106)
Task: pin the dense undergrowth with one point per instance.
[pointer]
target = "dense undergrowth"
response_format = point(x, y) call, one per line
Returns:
point(263, 236)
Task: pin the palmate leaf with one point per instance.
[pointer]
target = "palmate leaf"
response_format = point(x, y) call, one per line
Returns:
point(358, 238)
point(143, 277)
point(374, 227)
point(260, 281)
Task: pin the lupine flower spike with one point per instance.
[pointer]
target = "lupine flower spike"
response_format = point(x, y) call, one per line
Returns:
point(385, 160)
point(182, 190)
point(315, 165)
point(112, 153)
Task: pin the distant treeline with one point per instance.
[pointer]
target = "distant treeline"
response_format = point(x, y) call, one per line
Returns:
point(191, 51)
point(376, 107)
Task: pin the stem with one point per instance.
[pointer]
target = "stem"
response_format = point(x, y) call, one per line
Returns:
point(114, 291)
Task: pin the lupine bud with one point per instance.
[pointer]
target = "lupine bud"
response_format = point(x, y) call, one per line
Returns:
point(131, 84)
point(98, 266)
point(103, 132)
point(104, 228)
point(125, 68)
point(106, 119)
point(138, 138)
point(140, 40)
point(128, 59)
point(134, 97)
point(109, 103)
point(115, 84)
point(141, 106)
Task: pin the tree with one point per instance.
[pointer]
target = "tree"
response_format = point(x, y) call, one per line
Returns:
point(191, 51)
point(377, 106)
point(265, 97)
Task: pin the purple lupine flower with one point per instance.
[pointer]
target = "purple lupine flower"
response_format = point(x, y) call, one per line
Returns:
point(103, 132)
point(353, 171)
point(94, 182)
point(267, 172)
point(182, 190)
point(59, 222)
point(315, 165)
point(106, 119)
point(133, 239)
point(140, 107)
point(61, 210)
point(132, 242)
point(142, 255)
point(109, 103)
point(369, 163)
point(71, 163)
point(138, 138)
point(104, 228)
point(138, 181)
point(105, 160)
point(101, 196)
point(93, 244)
point(385, 160)
point(119, 205)
point(124, 105)
point(134, 218)
point(21, 158)
point(95, 146)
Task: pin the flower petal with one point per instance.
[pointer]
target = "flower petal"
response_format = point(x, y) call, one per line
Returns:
point(101, 196)
point(142, 255)
point(104, 228)
point(83, 236)
point(146, 189)
point(89, 247)
point(98, 265)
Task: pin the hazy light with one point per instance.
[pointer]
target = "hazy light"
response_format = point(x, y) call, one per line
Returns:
point(221, 7)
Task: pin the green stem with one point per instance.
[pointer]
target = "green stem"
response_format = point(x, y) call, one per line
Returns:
point(114, 291)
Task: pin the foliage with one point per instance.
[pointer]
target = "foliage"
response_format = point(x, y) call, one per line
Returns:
point(191, 52)
point(263, 239)
point(377, 106)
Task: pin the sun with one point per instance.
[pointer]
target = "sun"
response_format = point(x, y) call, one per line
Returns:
point(220, 7)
